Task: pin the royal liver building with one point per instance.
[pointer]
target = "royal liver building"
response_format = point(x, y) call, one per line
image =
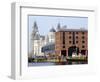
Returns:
point(37, 41)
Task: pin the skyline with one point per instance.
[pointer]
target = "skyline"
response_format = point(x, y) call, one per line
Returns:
point(48, 22)
point(45, 23)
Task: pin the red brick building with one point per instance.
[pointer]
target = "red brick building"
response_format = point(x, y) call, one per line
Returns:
point(68, 41)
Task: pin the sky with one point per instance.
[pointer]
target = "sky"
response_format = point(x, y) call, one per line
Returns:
point(45, 23)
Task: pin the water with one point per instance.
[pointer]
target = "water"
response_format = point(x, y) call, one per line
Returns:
point(57, 63)
point(41, 64)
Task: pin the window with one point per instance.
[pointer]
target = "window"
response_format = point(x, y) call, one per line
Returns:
point(76, 41)
point(69, 32)
point(69, 37)
point(83, 41)
point(70, 42)
point(82, 32)
point(83, 37)
point(76, 37)
point(63, 46)
point(83, 46)
point(76, 32)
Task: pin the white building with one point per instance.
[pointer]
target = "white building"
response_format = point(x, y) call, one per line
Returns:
point(37, 47)
point(50, 37)
point(38, 41)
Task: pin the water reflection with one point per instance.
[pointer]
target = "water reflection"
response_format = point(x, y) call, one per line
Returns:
point(57, 63)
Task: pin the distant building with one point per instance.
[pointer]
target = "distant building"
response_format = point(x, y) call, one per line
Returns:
point(49, 47)
point(37, 41)
point(50, 37)
point(69, 41)
point(61, 42)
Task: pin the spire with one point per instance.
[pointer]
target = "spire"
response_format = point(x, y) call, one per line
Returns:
point(35, 27)
point(35, 33)
point(58, 27)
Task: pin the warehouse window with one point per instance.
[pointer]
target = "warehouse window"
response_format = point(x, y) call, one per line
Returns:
point(70, 42)
point(83, 46)
point(69, 37)
point(69, 32)
point(83, 41)
point(76, 37)
point(76, 32)
point(76, 41)
point(82, 32)
point(83, 37)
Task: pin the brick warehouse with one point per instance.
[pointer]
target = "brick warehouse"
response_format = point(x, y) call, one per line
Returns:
point(68, 41)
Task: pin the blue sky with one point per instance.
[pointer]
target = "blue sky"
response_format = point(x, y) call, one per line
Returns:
point(45, 23)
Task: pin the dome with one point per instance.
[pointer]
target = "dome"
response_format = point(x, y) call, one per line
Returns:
point(52, 30)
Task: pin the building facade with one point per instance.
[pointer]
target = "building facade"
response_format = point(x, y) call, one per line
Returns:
point(37, 42)
point(49, 47)
point(61, 42)
point(50, 37)
point(69, 41)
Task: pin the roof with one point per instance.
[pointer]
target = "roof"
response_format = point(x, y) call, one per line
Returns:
point(52, 30)
point(71, 30)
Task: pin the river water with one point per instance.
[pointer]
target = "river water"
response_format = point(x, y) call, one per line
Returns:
point(58, 63)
